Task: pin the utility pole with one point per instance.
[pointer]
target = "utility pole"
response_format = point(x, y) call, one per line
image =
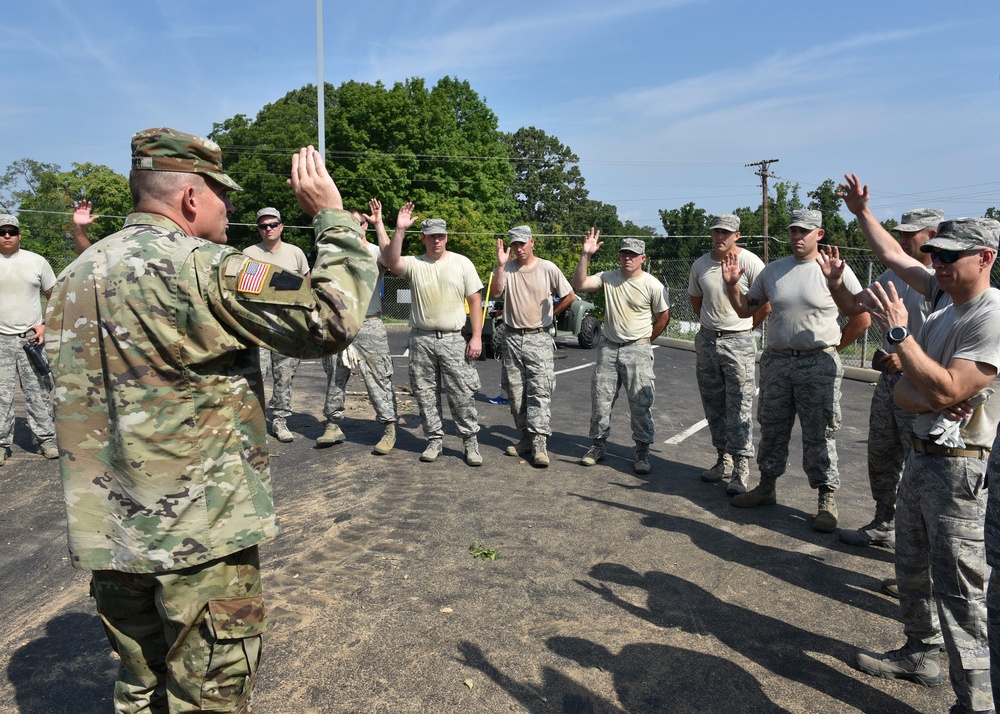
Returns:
point(320, 83)
point(764, 176)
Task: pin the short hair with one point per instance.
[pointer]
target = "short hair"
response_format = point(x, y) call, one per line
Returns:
point(157, 186)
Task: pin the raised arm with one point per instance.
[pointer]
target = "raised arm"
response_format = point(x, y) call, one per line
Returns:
point(833, 268)
point(375, 219)
point(503, 255)
point(581, 281)
point(392, 256)
point(81, 221)
point(731, 274)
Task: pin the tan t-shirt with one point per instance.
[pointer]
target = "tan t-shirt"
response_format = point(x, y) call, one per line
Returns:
point(23, 277)
point(286, 256)
point(528, 293)
point(717, 312)
point(439, 289)
point(918, 307)
point(803, 313)
point(630, 304)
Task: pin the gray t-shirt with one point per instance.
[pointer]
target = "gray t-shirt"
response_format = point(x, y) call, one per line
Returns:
point(23, 277)
point(717, 312)
point(971, 332)
point(803, 313)
point(918, 307)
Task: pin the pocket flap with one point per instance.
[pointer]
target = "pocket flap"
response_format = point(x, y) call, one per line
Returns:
point(237, 618)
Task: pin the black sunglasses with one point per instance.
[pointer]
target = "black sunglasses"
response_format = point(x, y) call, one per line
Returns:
point(10, 232)
point(950, 256)
point(265, 226)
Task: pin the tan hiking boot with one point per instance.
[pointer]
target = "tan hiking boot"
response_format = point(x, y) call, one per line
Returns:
point(826, 518)
point(48, 449)
point(641, 465)
point(890, 587)
point(388, 440)
point(722, 467)
point(740, 480)
point(594, 454)
point(281, 432)
point(331, 435)
point(764, 494)
point(432, 451)
point(472, 455)
point(540, 454)
point(522, 448)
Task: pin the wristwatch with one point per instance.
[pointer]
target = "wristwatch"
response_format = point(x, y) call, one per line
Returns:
point(897, 335)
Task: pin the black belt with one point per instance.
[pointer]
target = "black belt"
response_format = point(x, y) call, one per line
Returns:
point(725, 333)
point(922, 446)
point(640, 341)
point(24, 335)
point(437, 333)
point(525, 330)
point(800, 353)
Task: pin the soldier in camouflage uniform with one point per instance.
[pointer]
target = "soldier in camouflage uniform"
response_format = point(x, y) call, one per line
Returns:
point(440, 360)
point(637, 310)
point(373, 359)
point(529, 284)
point(949, 371)
point(288, 257)
point(153, 335)
point(726, 352)
point(24, 276)
point(800, 372)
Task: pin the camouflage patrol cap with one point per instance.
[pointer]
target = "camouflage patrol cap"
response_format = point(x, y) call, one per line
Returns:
point(163, 149)
point(726, 222)
point(519, 234)
point(433, 227)
point(268, 212)
point(962, 234)
point(919, 218)
point(8, 220)
point(806, 218)
point(633, 245)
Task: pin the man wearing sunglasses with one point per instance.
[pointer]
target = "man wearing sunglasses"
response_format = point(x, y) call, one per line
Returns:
point(941, 505)
point(24, 276)
point(272, 249)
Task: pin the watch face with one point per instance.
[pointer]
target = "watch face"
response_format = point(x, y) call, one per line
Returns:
point(898, 334)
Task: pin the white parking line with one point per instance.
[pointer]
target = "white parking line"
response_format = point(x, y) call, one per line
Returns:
point(693, 429)
point(574, 369)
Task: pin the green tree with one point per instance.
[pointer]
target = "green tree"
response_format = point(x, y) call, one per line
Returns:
point(687, 232)
point(548, 186)
point(825, 199)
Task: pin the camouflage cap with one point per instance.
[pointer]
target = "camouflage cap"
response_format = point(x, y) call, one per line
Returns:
point(268, 212)
point(633, 245)
point(919, 218)
point(519, 234)
point(163, 149)
point(433, 227)
point(726, 222)
point(8, 220)
point(962, 234)
point(806, 218)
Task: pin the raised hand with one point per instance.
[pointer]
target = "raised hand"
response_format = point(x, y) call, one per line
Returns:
point(405, 218)
point(731, 270)
point(830, 263)
point(854, 194)
point(503, 253)
point(81, 214)
point(375, 206)
point(889, 310)
point(314, 187)
point(591, 242)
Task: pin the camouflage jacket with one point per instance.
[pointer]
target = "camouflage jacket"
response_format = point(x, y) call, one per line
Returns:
point(158, 399)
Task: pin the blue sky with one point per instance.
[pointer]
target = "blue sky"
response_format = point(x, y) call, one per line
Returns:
point(663, 100)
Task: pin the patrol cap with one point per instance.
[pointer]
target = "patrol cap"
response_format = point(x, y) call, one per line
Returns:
point(433, 226)
point(163, 149)
point(726, 222)
point(919, 218)
point(519, 234)
point(633, 245)
point(962, 234)
point(8, 220)
point(268, 212)
point(806, 218)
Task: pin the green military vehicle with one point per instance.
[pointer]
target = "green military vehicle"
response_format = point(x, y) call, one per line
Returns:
point(578, 319)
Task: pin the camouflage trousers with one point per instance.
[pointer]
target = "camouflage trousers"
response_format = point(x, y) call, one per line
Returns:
point(282, 370)
point(16, 369)
point(941, 565)
point(438, 364)
point(375, 367)
point(632, 367)
point(188, 640)
point(807, 386)
point(889, 432)
point(528, 376)
point(725, 369)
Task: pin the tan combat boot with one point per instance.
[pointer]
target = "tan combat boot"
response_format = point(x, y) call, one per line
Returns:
point(641, 465)
point(281, 432)
point(723, 466)
point(522, 448)
point(740, 480)
point(594, 454)
point(826, 518)
point(331, 435)
point(388, 440)
point(764, 494)
point(472, 455)
point(540, 452)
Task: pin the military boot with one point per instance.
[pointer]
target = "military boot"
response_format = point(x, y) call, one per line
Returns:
point(472, 455)
point(880, 532)
point(826, 517)
point(3, 455)
point(388, 440)
point(914, 661)
point(741, 476)
point(723, 466)
point(331, 435)
point(540, 454)
point(764, 494)
point(641, 465)
point(890, 587)
point(48, 449)
point(594, 454)
point(432, 451)
point(522, 448)
point(281, 432)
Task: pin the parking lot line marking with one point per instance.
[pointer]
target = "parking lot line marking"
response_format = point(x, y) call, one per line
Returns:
point(694, 428)
point(573, 369)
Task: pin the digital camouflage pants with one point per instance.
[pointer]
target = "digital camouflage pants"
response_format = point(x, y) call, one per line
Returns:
point(375, 367)
point(631, 367)
point(528, 376)
point(726, 370)
point(188, 640)
point(282, 370)
point(16, 369)
point(441, 361)
point(889, 432)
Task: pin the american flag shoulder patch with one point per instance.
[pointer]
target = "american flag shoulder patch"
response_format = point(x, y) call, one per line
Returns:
point(252, 278)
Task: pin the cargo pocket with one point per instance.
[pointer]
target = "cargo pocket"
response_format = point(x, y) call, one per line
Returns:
point(234, 629)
